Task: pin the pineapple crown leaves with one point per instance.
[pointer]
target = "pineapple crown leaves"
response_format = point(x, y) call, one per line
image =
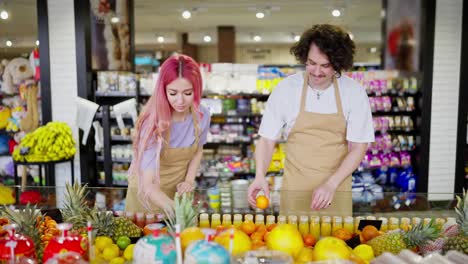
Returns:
point(421, 235)
point(185, 212)
point(462, 212)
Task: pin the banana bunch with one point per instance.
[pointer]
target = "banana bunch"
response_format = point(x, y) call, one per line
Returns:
point(51, 142)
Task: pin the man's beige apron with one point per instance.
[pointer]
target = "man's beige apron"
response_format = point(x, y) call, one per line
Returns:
point(315, 148)
point(173, 170)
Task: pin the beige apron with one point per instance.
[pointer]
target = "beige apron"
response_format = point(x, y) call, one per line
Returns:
point(173, 168)
point(315, 148)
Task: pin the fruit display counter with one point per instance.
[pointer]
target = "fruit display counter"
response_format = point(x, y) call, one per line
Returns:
point(90, 226)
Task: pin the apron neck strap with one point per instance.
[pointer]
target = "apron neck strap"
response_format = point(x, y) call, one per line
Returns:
point(167, 136)
point(304, 92)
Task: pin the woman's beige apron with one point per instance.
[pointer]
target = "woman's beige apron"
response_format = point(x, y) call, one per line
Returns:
point(172, 171)
point(315, 148)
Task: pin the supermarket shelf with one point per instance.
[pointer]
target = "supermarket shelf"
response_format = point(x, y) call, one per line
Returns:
point(215, 144)
point(394, 113)
point(239, 95)
point(236, 115)
point(399, 131)
point(121, 138)
point(115, 94)
point(112, 116)
point(406, 94)
point(114, 184)
point(116, 160)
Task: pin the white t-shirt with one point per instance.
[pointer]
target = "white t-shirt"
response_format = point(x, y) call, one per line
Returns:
point(284, 103)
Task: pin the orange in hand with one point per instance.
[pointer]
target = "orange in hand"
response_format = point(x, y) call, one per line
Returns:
point(262, 202)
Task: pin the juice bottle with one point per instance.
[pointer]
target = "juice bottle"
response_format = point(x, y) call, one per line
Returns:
point(215, 220)
point(204, 221)
point(371, 217)
point(393, 223)
point(259, 219)
point(426, 221)
point(237, 220)
point(249, 217)
point(384, 226)
point(415, 221)
point(337, 223)
point(149, 219)
point(227, 220)
point(405, 223)
point(440, 222)
point(325, 227)
point(304, 224)
point(140, 219)
point(349, 224)
point(356, 224)
point(270, 220)
point(292, 220)
point(315, 226)
point(281, 219)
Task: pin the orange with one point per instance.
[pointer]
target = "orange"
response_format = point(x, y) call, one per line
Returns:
point(261, 229)
point(342, 234)
point(309, 240)
point(331, 248)
point(265, 237)
point(220, 229)
point(262, 202)
point(369, 232)
point(257, 244)
point(248, 227)
point(257, 236)
point(270, 227)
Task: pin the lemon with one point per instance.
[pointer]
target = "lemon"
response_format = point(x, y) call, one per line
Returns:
point(110, 252)
point(128, 253)
point(118, 260)
point(102, 242)
point(364, 251)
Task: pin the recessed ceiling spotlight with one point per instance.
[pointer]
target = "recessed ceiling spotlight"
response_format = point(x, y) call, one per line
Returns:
point(257, 38)
point(297, 38)
point(115, 20)
point(9, 43)
point(336, 13)
point(186, 14)
point(37, 42)
point(207, 38)
point(373, 50)
point(160, 39)
point(4, 15)
point(260, 15)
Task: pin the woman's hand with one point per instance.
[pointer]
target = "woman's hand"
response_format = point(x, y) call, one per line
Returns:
point(322, 197)
point(185, 187)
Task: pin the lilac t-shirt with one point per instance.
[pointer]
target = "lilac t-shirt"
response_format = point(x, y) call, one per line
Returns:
point(182, 135)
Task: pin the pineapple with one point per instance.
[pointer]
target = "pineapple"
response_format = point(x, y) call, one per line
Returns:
point(125, 227)
point(394, 242)
point(77, 212)
point(460, 242)
point(185, 213)
point(27, 221)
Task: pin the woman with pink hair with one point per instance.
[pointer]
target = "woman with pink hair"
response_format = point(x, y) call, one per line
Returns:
point(169, 138)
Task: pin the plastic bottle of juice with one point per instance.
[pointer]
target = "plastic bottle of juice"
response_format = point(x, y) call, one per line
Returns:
point(426, 221)
point(415, 221)
point(249, 217)
point(440, 222)
point(227, 220)
point(270, 220)
point(384, 226)
point(315, 226)
point(337, 223)
point(349, 224)
point(325, 226)
point(237, 220)
point(304, 225)
point(393, 223)
point(281, 219)
point(357, 219)
point(292, 220)
point(259, 219)
point(204, 221)
point(405, 223)
point(371, 217)
point(215, 220)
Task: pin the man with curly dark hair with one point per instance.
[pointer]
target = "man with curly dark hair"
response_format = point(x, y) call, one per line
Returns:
point(327, 120)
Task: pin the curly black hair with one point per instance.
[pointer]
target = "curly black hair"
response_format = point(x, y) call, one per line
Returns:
point(332, 40)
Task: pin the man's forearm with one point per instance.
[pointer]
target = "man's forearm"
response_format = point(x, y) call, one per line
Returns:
point(349, 164)
point(263, 153)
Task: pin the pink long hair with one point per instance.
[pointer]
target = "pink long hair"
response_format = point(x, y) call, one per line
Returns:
point(155, 118)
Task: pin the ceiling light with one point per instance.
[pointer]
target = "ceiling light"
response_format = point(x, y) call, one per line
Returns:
point(257, 38)
point(4, 15)
point(207, 38)
point(186, 14)
point(351, 36)
point(260, 15)
point(160, 39)
point(373, 50)
point(297, 38)
point(336, 13)
point(115, 20)
point(37, 42)
point(9, 43)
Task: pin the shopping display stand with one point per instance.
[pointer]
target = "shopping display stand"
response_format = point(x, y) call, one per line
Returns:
point(43, 181)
